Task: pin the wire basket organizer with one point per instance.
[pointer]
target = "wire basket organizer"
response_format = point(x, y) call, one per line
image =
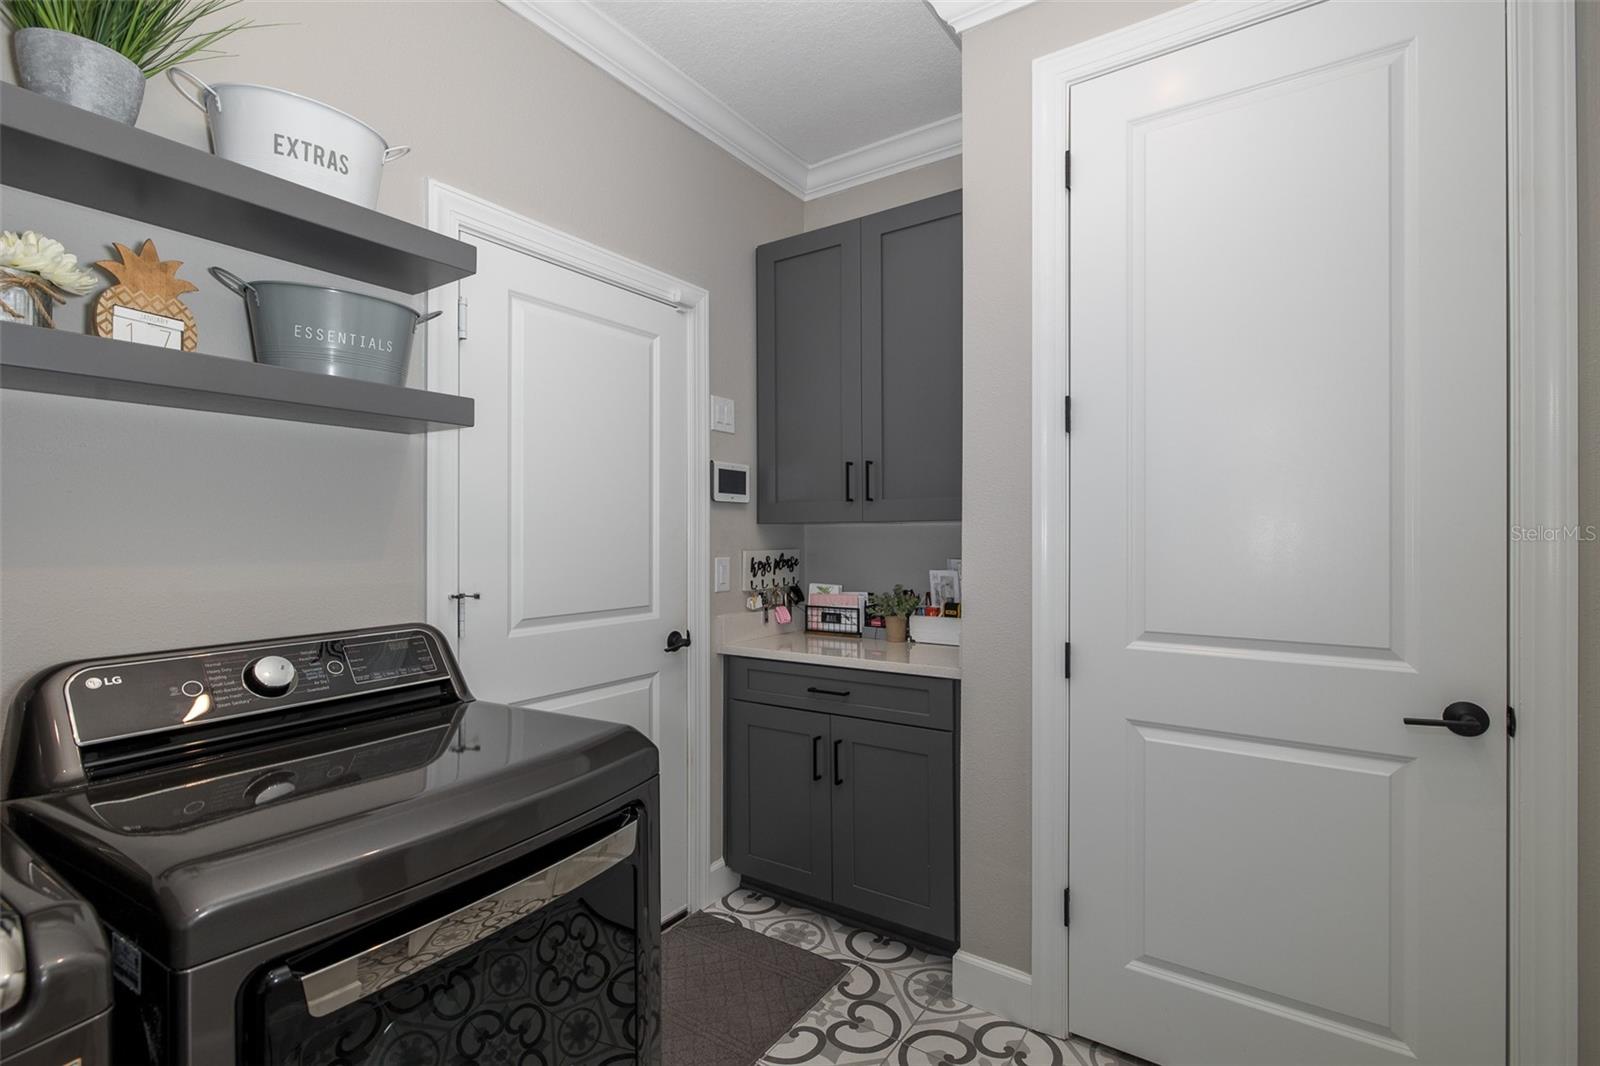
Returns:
point(832, 620)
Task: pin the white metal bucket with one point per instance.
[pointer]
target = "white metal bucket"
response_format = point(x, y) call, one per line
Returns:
point(291, 136)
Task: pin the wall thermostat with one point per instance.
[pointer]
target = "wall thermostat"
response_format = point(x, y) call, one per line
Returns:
point(730, 482)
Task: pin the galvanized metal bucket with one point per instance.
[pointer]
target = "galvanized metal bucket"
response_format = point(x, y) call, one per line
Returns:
point(292, 136)
point(327, 331)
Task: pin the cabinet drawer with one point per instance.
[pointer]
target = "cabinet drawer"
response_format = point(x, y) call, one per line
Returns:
point(905, 699)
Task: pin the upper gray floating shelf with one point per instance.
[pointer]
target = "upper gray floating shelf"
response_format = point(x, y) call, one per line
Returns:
point(70, 154)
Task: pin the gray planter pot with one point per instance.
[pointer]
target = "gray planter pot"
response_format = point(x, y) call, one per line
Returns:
point(80, 72)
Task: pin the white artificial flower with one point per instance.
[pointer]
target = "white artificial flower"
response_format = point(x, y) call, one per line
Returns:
point(34, 253)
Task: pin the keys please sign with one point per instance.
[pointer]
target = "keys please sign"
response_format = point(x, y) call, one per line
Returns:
point(776, 568)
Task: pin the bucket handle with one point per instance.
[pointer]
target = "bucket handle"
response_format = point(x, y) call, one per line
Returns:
point(196, 91)
point(235, 284)
point(398, 151)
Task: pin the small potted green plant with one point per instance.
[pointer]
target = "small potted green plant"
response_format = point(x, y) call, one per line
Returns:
point(35, 272)
point(96, 54)
point(894, 607)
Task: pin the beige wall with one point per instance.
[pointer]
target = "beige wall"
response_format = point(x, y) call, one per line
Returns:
point(1589, 514)
point(129, 528)
point(892, 191)
point(996, 104)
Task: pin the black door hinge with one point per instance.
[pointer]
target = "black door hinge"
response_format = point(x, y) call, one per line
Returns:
point(1067, 657)
point(1511, 721)
point(1066, 170)
point(1069, 414)
point(1066, 906)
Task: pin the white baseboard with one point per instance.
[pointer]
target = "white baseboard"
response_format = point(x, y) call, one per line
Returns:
point(719, 882)
point(993, 987)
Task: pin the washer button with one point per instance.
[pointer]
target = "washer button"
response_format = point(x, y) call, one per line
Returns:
point(334, 666)
point(192, 688)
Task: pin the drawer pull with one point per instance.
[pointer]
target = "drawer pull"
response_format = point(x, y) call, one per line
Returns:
point(816, 756)
point(828, 691)
point(838, 767)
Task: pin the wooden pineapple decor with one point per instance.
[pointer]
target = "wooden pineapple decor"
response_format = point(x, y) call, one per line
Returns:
point(147, 290)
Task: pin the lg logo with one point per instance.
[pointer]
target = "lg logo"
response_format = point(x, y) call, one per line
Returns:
point(95, 682)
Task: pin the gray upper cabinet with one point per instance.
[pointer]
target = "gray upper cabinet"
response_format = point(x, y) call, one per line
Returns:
point(858, 346)
point(911, 362)
point(808, 377)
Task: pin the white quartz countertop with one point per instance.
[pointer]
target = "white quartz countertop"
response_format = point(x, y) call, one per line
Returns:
point(856, 653)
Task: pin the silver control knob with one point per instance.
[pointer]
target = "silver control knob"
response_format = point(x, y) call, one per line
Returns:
point(270, 675)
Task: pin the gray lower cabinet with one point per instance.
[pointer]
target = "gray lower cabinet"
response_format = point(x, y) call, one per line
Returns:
point(778, 797)
point(848, 805)
point(894, 854)
point(858, 369)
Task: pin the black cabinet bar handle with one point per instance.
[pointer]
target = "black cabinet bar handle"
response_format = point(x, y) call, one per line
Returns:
point(868, 493)
point(838, 768)
point(848, 467)
point(828, 691)
point(816, 756)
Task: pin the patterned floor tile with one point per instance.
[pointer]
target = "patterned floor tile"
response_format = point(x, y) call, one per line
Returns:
point(927, 986)
point(814, 931)
point(897, 1007)
point(868, 997)
point(979, 1039)
point(837, 1031)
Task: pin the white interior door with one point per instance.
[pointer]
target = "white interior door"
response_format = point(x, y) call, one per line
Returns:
point(1288, 533)
point(573, 510)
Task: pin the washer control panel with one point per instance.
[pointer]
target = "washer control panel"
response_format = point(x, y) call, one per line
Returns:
point(127, 698)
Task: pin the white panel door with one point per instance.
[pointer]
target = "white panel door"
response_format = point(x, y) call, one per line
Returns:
point(573, 511)
point(1288, 533)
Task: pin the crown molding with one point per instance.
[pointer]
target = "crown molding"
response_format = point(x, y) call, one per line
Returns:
point(962, 15)
point(925, 144)
point(592, 35)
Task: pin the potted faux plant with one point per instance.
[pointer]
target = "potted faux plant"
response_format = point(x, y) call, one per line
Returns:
point(894, 607)
point(35, 272)
point(96, 54)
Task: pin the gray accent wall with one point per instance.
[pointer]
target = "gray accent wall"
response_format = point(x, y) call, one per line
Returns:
point(876, 556)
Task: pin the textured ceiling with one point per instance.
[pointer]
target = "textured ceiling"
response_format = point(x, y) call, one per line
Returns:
point(820, 77)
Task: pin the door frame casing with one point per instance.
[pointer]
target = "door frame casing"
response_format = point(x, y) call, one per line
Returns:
point(1543, 448)
point(454, 212)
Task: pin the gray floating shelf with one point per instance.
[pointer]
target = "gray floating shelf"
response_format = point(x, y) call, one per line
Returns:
point(70, 154)
point(34, 359)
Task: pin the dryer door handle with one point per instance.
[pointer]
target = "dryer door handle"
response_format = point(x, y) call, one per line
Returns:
point(332, 987)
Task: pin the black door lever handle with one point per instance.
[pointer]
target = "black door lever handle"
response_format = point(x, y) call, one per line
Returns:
point(1463, 719)
point(676, 640)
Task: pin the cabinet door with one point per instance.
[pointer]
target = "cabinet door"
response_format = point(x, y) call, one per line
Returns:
point(894, 835)
point(911, 362)
point(808, 377)
point(778, 796)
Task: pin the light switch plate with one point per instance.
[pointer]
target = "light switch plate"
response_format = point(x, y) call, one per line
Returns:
point(721, 414)
point(723, 565)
